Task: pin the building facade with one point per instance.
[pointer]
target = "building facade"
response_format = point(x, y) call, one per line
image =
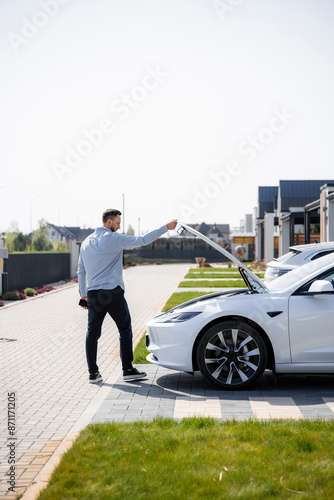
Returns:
point(293, 213)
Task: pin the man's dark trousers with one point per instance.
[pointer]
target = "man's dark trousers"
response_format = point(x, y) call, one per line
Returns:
point(101, 302)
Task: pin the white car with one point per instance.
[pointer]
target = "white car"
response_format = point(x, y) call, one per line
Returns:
point(297, 256)
point(233, 336)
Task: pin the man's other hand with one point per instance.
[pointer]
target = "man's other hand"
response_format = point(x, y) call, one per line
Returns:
point(84, 298)
point(172, 224)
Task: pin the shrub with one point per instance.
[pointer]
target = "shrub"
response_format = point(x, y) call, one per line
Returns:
point(30, 292)
point(22, 294)
point(59, 246)
point(11, 296)
point(43, 289)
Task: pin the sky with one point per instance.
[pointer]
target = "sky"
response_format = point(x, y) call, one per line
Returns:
point(166, 108)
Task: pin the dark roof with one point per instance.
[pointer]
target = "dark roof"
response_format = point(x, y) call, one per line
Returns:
point(267, 199)
point(72, 233)
point(79, 233)
point(220, 229)
point(299, 193)
point(65, 232)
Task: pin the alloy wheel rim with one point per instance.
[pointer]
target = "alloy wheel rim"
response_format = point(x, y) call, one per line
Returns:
point(232, 356)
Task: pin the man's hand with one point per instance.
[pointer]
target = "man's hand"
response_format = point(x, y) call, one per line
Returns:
point(172, 224)
point(84, 298)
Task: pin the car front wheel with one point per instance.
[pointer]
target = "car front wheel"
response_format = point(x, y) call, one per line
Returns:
point(231, 355)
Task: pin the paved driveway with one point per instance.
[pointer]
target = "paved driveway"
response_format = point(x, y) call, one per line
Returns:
point(43, 363)
point(179, 395)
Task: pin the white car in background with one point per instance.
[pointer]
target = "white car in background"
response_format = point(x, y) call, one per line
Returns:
point(233, 336)
point(297, 256)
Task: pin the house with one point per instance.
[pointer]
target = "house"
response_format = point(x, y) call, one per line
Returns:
point(293, 213)
point(218, 233)
point(67, 234)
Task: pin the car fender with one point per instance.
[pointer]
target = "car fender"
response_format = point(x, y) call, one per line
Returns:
point(268, 314)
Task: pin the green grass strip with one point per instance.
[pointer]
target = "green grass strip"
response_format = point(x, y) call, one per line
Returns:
point(140, 352)
point(197, 458)
point(180, 297)
point(209, 284)
point(212, 269)
point(218, 275)
point(212, 275)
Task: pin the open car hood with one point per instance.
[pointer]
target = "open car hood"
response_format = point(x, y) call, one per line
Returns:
point(251, 280)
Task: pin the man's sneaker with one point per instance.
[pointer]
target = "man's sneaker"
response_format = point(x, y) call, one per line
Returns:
point(94, 378)
point(133, 374)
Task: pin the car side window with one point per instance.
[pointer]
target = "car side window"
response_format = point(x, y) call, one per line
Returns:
point(321, 254)
point(329, 276)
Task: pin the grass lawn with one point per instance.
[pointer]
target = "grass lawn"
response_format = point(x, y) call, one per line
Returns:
point(197, 458)
point(218, 275)
point(213, 269)
point(140, 260)
point(207, 284)
point(236, 274)
point(180, 297)
point(140, 353)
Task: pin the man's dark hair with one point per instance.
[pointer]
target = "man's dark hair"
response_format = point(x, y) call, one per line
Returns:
point(110, 213)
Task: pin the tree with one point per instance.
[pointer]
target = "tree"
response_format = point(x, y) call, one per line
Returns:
point(15, 240)
point(130, 231)
point(40, 237)
point(21, 242)
point(13, 227)
point(59, 246)
point(9, 241)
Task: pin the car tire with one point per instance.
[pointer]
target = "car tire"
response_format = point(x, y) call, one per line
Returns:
point(231, 355)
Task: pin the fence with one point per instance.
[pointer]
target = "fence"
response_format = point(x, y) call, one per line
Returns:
point(35, 269)
point(183, 249)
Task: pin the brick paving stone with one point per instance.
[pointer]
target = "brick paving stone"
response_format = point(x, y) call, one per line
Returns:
point(180, 391)
point(47, 369)
point(46, 366)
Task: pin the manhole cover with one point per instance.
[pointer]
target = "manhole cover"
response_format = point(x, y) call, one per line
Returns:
point(2, 339)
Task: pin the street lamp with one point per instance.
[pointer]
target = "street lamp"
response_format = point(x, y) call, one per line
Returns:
point(2, 187)
point(123, 213)
point(33, 199)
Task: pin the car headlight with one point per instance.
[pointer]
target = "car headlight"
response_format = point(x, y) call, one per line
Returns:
point(177, 317)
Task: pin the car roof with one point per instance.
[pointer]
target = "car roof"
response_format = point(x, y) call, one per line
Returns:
point(313, 246)
point(301, 274)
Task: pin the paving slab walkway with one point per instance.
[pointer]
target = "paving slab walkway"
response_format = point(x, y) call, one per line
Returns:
point(43, 364)
point(178, 395)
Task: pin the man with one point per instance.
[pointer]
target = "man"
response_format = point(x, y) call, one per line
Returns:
point(101, 283)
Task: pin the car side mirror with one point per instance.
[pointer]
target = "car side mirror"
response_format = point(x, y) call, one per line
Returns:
point(321, 286)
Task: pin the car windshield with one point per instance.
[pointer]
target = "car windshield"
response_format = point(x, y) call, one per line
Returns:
point(292, 277)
